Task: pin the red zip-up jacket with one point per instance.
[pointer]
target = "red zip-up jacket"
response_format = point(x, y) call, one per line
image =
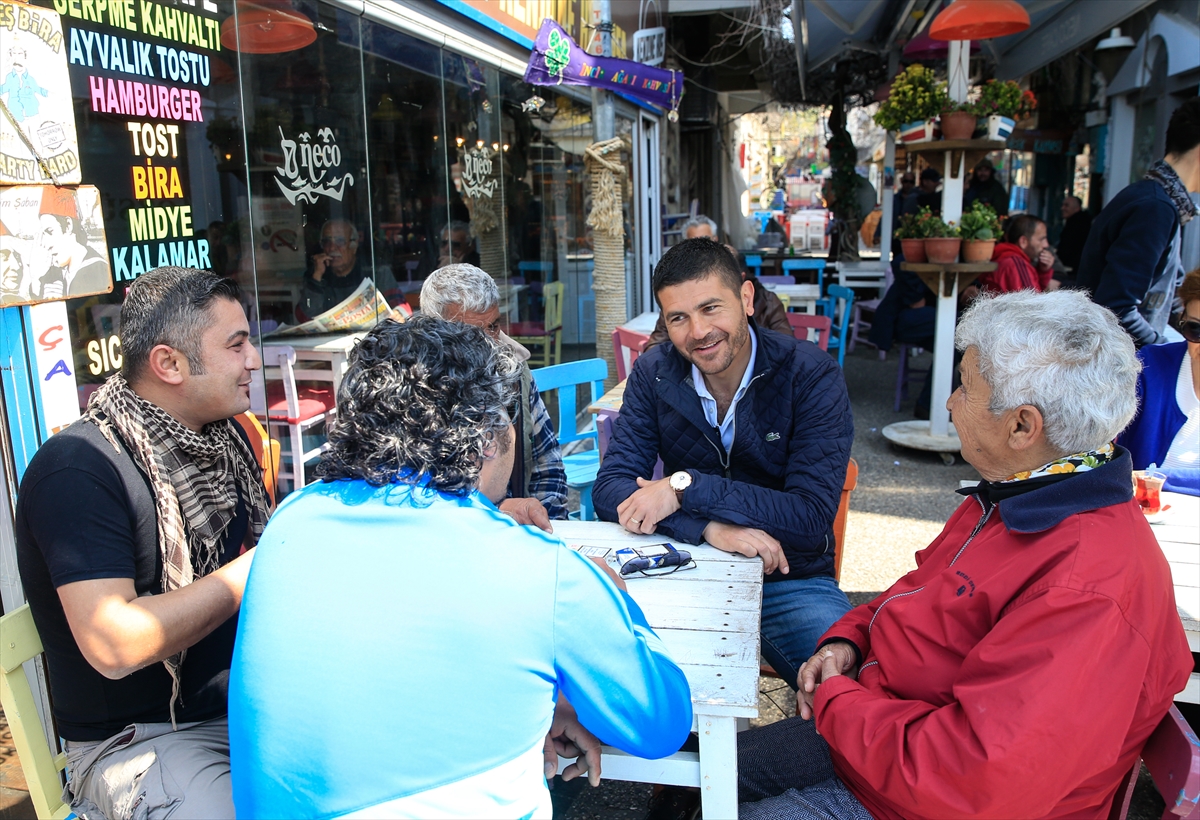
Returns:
point(1013, 272)
point(1018, 671)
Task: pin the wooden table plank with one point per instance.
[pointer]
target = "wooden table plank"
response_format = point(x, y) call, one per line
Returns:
point(1178, 534)
point(611, 401)
point(707, 648)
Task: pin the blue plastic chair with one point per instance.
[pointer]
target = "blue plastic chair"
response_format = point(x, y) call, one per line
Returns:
point(754, 263)
point(839, 339)
point(581, 467)
point(818, 265)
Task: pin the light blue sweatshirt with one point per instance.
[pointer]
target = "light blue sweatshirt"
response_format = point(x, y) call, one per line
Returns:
point(401, 650)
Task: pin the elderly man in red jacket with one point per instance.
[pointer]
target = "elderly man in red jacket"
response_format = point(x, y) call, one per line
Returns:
point(1020, 668)
point(1023, 260)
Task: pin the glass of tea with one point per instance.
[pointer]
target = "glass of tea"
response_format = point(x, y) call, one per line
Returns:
point(1148, 491)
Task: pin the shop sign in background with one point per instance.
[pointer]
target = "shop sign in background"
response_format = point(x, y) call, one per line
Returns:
point(36, 92)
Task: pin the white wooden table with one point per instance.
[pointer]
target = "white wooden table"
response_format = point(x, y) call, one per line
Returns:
point(1178, 534)
point(333, 348)
point(708, 618)
point(800, 297)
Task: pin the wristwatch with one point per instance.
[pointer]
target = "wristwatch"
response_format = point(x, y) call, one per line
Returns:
point(680, 481)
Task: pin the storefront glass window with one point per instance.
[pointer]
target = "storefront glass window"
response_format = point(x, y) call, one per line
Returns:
point(305, 226)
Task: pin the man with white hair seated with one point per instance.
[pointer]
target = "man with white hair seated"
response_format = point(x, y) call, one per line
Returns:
point(769, 311)
point(1020, 668)
point(537, 490)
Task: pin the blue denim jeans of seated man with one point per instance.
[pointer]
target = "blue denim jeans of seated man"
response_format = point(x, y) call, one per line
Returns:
point(795, 614)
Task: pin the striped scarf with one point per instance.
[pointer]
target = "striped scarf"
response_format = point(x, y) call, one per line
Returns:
point(1162, 173)
point(196, 480)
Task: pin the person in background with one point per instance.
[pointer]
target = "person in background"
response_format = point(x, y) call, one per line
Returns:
point(135, 530)
point(1166, 430)
point(457, 245)
point(928, 195)
point(449, 641)
point(1020, 668)
point(906, 193)
point(1077, 224)
point(1131, 262)
point(336, 270)
point(537, 490)
point(986, 188)
point(1023, 260)
point(907, 313)
point(769, 311)
point(76, 268)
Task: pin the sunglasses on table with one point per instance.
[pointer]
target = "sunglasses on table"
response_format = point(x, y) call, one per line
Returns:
point(1190, 330)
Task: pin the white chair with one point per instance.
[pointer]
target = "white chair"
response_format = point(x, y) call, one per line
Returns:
point(298, 409)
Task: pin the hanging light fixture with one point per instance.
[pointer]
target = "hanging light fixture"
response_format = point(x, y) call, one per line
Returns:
point(1111, 52)
point(979, 20)
point(266, 27)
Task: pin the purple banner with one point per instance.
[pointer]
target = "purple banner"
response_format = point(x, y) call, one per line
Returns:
point(556, 59)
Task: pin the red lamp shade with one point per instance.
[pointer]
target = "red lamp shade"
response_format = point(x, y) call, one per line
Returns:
point(924, 47)
point(979, 20)
point(266, 27)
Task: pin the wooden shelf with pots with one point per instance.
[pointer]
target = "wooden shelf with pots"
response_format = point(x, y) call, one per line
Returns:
point(974, 149)
point(931, 272)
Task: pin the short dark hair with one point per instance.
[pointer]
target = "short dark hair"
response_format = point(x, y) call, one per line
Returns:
point(694, 259)
point(169, 306)
point(1077, 199)
point(71, 225)
point(1022, 225)
point(1183, 131)
point(422, 399)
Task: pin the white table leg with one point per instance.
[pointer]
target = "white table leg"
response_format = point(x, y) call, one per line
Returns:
point(943, 354)
point(718, 767)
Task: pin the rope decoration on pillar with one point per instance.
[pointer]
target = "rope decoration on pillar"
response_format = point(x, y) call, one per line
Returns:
point(608, 177)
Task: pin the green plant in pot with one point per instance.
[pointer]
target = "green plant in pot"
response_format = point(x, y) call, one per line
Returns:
point(912, 231)
point(916, 98)
point(1002, 104)
point(941, 242)
point(979, 228)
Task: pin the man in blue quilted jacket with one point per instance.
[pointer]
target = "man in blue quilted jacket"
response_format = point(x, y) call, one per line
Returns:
point(754, 430)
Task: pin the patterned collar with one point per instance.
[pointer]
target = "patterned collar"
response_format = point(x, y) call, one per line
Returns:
point(1076, 463)
point(1162, 173)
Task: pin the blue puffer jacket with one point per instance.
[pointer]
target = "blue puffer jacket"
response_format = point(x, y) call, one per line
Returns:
point(791, 445)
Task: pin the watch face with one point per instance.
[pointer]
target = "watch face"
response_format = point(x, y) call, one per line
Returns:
point(681, 481)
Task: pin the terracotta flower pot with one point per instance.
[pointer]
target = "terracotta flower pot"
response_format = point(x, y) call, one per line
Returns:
point(958, 125)
point(914, 250)
point(978, 250)
point(943, 251)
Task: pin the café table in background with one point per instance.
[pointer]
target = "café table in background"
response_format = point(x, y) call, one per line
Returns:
point(708, 617)
point(333, 348)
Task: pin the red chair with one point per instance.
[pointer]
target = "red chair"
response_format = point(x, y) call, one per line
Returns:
point(1172, 754)
point(802, 323)
point(296, 409)
point(627, 346)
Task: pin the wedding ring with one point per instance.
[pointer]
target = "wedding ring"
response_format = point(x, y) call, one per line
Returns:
point(635, 521)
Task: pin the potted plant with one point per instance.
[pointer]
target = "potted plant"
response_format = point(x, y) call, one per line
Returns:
point(912, 232)
point(1002, 104)
point(941, 241)
point(959, 121)
point(916, 98)
point(978, 228)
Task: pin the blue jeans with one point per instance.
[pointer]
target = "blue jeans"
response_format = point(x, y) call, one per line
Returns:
point(795, 614)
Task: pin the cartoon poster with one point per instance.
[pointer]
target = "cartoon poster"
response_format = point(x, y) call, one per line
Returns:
point(38, 143)
point(52, 244)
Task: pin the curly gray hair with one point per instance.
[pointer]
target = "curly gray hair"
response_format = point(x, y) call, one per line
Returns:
point(422, 399)
point(466, 286)
point(1061, 353)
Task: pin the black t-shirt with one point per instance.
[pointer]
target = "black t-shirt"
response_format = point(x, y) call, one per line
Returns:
point(86, 512)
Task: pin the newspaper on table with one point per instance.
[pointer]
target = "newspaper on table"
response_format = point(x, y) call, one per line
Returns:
point(361, 310)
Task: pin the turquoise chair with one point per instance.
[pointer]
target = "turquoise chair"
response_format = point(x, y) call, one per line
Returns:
point(790, 265)
point(754, 263)
point(839, 339)
point(581, 467)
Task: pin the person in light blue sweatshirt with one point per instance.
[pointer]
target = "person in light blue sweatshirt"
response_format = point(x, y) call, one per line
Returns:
point(403, 645)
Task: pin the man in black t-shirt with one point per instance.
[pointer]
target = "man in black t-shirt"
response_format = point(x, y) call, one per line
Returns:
point(130, 527)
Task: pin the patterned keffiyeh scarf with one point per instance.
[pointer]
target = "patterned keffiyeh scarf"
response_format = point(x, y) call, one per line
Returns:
point(196, 479)
point(1162, 173)
point(1077, 463)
